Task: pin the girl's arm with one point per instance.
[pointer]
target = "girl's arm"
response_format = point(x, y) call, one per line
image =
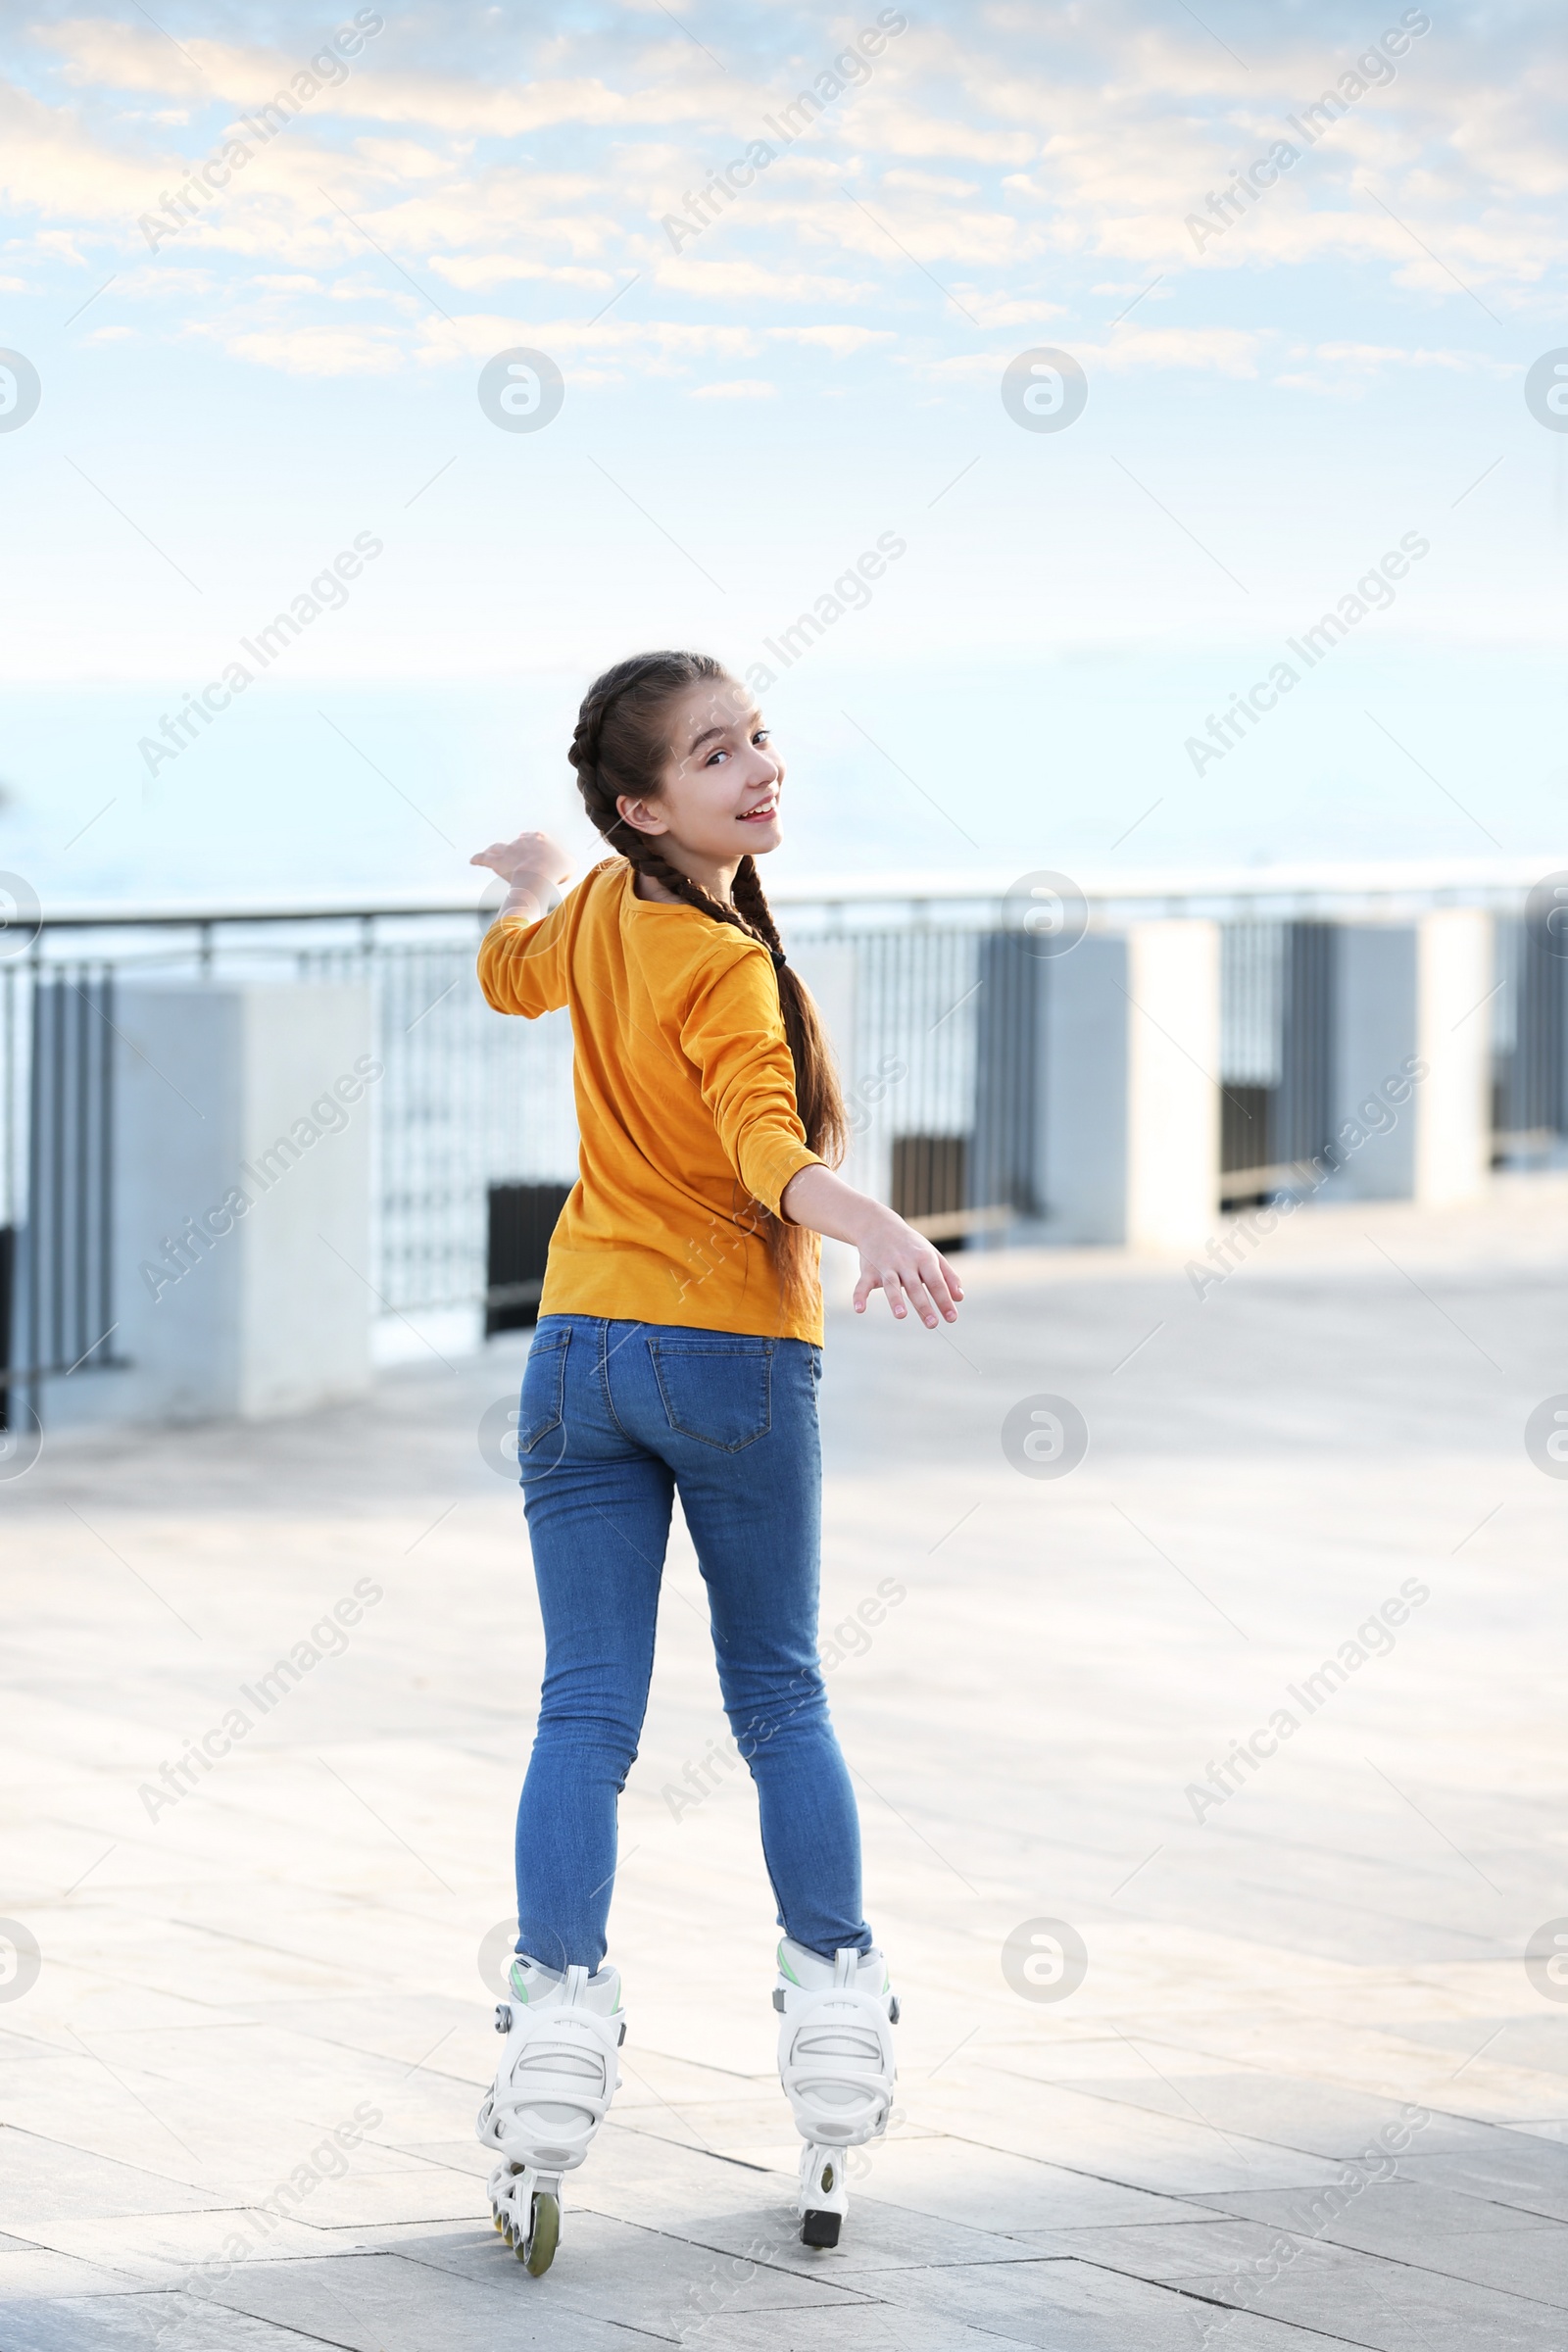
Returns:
point(530, 865)
point(522, 966)
point(893, 1257)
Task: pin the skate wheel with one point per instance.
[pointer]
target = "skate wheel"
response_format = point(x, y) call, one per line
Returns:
point(498, 2220)
point(819, 2228)
point(538, 2250)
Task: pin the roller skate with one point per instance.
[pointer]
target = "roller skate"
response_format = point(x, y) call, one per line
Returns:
point(553, 2087)
point(836, 2063)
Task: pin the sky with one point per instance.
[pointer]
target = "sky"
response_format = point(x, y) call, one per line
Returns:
point(1303, 345)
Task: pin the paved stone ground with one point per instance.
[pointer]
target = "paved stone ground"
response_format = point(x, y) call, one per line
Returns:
point(1307, 2092)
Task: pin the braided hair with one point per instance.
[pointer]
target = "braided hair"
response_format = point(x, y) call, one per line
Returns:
point(620, 747)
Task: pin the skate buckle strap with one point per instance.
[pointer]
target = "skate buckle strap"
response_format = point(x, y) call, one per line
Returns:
point(835, 2058)
point(556, 2077)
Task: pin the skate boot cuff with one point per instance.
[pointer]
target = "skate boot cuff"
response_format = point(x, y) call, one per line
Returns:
point(835, 2046)
point(556, 2075)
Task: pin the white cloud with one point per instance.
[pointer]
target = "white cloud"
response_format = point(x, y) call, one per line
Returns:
point(399, 160)
point(50, 162)
point(96, 52)
point(889, 125)
point(841, 341)
point(1387, 355)
point(477, 272)
point(740, 387)
point(753, 281)
point(1211, 350)
point(994, 310)
point(1216, 349)
point(875, 225)
point(99, 55)
point(322, 350)
point(1085, 139)
point(659, 347)
point(930, 183)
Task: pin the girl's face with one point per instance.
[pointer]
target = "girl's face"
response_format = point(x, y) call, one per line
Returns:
point(720, 792)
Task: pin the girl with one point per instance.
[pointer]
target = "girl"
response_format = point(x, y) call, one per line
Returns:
point(679, 1348)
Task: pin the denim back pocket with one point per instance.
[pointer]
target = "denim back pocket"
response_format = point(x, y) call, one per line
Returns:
point(715, 1388)
point(544, 1386)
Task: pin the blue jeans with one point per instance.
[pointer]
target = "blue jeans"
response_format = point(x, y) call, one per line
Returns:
point(614, 1418)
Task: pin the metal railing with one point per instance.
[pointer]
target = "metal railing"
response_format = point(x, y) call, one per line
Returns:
point(1530, 1043)
point(1277, 1017)
point(56, 1171)
point(476, 1140)
point(467, 1103)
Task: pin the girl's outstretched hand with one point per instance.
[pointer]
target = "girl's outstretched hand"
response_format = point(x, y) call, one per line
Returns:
point(908, 1271)
point(902, 1264)
point(529, 865)
point(532, 858)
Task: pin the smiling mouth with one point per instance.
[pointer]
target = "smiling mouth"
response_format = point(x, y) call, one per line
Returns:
point(763, 809)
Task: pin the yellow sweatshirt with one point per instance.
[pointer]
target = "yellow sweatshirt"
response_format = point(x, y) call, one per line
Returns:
point(685, 1096)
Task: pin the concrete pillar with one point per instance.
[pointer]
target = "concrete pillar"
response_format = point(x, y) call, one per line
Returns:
point(1173, 1084)
point(1403, 996)
point(242, 1204)
point(1455, 987)
point(1132, 1092)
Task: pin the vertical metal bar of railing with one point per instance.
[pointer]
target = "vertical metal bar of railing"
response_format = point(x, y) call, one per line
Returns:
point(32, 1266)
point(50, 1202)
point(1308, 1048)
point(106, 1159)
point(81, 1013)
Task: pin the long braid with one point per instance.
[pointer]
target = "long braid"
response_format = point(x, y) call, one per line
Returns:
point(618, 748)
point(752, 905)
point(817, 1097)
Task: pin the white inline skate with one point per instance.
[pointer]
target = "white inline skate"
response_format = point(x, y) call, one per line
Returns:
point(836, 2063)
point(553, 2087)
